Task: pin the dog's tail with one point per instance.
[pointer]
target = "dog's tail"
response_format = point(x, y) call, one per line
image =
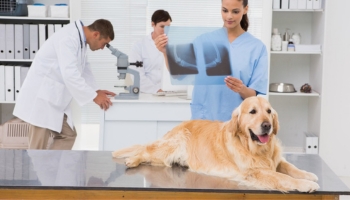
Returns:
point(128, 152)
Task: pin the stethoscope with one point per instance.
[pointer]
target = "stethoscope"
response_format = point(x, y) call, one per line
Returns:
point(81, 45)
point(81, 41)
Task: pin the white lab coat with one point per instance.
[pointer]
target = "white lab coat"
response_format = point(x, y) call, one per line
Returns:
point(153, 63)
point(59, 72)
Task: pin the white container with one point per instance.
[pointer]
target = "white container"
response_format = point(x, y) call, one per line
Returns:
point(37, 11)
point(276, 40)
point(59, 11)
point(296, 38)
point(284, 45)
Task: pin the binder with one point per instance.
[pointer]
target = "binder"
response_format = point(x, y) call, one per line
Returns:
point(284, 4)
point(26, 38)
point(50, 30)
point(42, 34)
point(276, 4)
point(9, 83)
point(2, 83)
point(309, 4)
point(57, 27)
point(302, 4)
point(316, 4)
point(17, 80)
point(23, 75)
point(34, 40)
point(10, 41)
point(18, 41)
point(2, 41)
point(293, 4)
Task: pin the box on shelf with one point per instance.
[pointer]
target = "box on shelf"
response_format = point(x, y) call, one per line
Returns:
point(59, 11)
point(307, 47)
point(311, 143)
point(37, 11)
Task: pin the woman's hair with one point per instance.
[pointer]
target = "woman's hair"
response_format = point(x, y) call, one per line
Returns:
point(160, 16)
point(245, 21)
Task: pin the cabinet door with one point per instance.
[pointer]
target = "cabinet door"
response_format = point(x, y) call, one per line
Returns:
point(122, 134)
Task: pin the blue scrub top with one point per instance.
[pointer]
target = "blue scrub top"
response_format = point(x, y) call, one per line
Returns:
point(249, 63)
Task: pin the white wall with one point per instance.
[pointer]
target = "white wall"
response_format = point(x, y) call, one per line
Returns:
point(335, 114)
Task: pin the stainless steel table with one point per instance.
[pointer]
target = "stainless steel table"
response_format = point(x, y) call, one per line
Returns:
point(39, 174)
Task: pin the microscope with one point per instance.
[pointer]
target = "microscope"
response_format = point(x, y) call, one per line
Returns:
point(122, 65)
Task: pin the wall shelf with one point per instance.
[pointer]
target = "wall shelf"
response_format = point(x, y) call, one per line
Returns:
point(35, 20)
point(8, 102)
point(295, 52)
point(297, 10)
point(297, 94)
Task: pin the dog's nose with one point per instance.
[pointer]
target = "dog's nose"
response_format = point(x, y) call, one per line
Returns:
point(266, 126)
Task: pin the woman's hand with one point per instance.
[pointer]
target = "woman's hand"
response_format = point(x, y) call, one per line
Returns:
point(161, 41)
point(237, 85)
point(234, 84)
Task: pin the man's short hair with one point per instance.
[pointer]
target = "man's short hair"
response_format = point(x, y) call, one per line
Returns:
point(160, 16)
point(104, 27)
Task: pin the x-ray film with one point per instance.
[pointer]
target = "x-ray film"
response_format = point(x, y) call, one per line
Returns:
point(198, 55)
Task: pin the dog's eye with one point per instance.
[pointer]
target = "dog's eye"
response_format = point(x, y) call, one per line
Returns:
point(269, 111)
point(252, 111)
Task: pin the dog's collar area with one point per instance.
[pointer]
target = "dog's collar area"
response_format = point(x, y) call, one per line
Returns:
point(256, 138)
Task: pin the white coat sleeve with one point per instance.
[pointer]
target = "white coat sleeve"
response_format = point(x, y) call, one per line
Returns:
point(89, 77)
point(67, 53)
point(146, 84)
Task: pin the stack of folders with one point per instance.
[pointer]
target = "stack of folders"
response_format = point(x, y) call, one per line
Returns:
point(22, 41)
point(11, 80)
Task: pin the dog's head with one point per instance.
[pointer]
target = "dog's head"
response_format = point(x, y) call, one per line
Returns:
point(255, 119)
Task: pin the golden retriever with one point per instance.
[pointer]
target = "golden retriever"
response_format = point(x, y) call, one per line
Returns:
point(243, 149)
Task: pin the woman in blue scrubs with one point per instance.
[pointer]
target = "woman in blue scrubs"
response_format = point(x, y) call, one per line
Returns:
point(249, 65)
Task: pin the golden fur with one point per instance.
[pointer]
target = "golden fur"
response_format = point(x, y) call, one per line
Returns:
point(243, 149)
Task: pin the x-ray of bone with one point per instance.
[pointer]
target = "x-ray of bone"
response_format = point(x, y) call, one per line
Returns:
point(198, 55)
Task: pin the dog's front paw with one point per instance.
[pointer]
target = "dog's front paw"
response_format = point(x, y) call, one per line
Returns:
point(311, 176)
point(132, 162)
point(307, 186)
point(115, 154)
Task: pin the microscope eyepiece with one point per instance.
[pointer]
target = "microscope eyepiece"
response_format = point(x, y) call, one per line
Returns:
point(108, 45)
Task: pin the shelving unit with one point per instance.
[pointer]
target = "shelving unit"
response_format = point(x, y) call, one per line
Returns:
point(299, 113)
point(298, 94)
point(295, 52)
point(297, 10)
point(6, 107)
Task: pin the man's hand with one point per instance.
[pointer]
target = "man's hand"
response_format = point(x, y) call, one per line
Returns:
point(102, 99)
point(161, 41)
point(109, 93)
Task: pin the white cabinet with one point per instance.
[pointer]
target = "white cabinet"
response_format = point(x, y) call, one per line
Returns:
point(6, 107)
point(299, 113)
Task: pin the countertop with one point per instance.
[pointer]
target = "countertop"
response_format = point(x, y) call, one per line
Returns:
point(97, 170)
point(150, 98)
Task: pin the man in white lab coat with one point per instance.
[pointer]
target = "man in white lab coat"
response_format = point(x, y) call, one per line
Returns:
point(59, 73)
point(153, 60)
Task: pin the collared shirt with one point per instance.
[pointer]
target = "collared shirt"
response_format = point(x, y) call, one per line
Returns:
point(153, 63)
point(249, 64)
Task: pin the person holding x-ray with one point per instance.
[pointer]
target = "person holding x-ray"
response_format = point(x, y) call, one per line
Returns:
point(59, 73)
point(249, 66)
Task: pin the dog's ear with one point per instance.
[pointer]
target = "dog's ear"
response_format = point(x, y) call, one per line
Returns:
point(233, 123)
point(275, 123)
